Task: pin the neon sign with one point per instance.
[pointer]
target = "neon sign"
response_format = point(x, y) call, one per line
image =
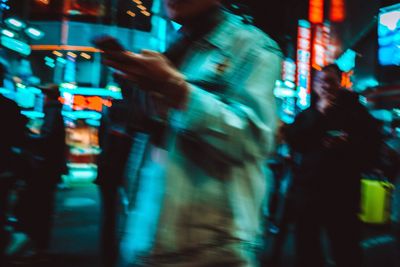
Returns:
point(80, 102)
point(303, 74)
point(321, 55)
point(318, 55)
point(337, 11)
point(346, 80)
point(316, 11)
point(15, 45)
point(288, 70)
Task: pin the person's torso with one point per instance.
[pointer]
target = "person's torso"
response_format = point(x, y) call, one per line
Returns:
point(204, 200)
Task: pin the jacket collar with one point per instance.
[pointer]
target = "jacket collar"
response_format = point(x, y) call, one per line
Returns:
point(222, 34)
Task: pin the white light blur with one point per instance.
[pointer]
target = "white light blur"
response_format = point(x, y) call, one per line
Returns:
point(390, 19)
point(15, 23)
point(289, 84)
point(8, 33)
point(34, 31)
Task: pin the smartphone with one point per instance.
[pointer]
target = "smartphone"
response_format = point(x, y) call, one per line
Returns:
point(107, 43)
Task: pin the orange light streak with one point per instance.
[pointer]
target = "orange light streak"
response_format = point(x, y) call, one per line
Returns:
point(65, 48)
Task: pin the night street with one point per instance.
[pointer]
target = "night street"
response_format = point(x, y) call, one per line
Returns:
point(200, 133)
point(76, 239)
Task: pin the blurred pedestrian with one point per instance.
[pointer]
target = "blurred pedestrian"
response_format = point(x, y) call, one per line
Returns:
point(203, 182)
point(115, 140)
point(12, 136)
point(48, 160)
point(281, 213)
point(333, 142)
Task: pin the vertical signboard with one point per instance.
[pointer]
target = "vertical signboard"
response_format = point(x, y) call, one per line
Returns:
point(303, 74)
point(318, 47)
point(288, 104)
point(316, 11)
point(337, 11)
point(289, 70)
point(322, 50)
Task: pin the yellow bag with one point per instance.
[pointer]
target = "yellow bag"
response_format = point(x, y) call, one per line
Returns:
point(375, 201)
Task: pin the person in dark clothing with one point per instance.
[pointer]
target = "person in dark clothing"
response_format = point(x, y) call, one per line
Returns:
point(48, 151)
point(333, 142)
point(115, 140)
point(12, 135)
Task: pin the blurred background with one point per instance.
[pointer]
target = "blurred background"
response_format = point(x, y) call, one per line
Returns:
point(49, 41)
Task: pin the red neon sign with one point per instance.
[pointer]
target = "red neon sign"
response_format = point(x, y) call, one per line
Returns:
point(337, 11)
point(319, 48)
point(81, 102)
point(316, 11)
point(346, 80)
point(303, 56)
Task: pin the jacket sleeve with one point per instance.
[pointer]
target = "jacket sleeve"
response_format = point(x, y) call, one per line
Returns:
point(241, 123)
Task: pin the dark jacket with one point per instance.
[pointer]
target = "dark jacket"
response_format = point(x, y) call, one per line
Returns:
point(12, 133)
point(115, 142)
point(331, 173)
point(50, 144)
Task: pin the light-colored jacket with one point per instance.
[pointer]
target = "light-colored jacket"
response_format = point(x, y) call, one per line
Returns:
point(200, 199)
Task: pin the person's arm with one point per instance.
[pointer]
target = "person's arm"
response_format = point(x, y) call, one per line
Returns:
point(242, 123)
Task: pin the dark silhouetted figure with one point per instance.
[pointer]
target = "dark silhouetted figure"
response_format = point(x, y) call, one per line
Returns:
point(333, 141)
point(11, 136)
point(115, 138)
point(48, 152)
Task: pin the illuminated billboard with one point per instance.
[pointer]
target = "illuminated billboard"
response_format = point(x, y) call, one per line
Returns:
point(389, 36)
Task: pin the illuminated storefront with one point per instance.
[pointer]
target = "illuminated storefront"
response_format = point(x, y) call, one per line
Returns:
point(57, 39)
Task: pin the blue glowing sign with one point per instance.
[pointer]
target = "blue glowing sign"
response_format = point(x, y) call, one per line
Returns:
point(347, 61)
point(389, 35)
point(303, 63)
point(15, 45)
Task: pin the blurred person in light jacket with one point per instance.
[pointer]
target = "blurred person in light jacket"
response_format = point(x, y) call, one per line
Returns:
point(203, 180)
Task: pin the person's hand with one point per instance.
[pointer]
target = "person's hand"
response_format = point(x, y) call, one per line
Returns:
point(153, 72)
point(324, 104)
point(335, 138)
